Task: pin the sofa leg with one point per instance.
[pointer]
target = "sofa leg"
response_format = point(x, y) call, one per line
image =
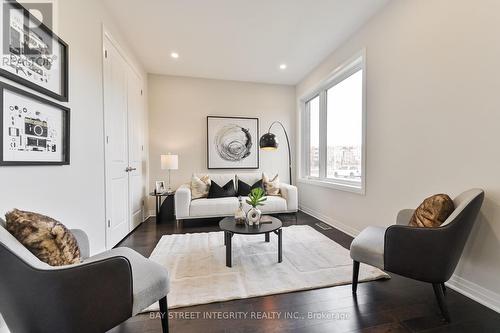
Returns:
point(438, 291)
point(164, 314)
point(355, 274)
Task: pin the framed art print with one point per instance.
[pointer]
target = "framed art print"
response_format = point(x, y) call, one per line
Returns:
point(32, 55)
point(160, 187)
point(33, 130)
point(232, 143)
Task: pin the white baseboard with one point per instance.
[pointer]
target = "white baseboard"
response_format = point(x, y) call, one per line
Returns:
point(328, 220)
point(474, 291)
point(465, 287)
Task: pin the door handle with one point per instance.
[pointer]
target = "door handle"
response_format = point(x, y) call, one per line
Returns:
point(128, 169)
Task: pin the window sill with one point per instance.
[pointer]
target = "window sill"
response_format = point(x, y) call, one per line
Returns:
point(333, 185)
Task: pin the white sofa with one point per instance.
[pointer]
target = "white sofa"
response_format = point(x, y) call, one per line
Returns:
point(186, 208)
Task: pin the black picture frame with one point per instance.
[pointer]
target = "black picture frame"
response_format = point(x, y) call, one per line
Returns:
point(255, 143)
point(65, 135)
point(63, 96)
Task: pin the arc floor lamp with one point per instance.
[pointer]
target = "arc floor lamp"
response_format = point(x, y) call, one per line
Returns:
point(268, 141)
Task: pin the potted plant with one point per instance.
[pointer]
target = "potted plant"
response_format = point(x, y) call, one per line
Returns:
point(255, 199)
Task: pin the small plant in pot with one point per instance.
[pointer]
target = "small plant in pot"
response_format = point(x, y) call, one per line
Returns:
point(255, 199)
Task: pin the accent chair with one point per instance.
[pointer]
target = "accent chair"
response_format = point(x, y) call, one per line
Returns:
point(424, 254)
point(94, 296)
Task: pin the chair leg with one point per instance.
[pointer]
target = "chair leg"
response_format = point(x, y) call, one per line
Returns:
point(164, 314)
point(444, 288)
point(355, 274)
point(438, 291)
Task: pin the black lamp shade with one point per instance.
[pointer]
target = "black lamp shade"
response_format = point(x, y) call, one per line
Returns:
point(268, 142)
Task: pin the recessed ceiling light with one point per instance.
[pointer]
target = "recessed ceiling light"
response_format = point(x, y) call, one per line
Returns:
point(283, 66)
point(174, 55)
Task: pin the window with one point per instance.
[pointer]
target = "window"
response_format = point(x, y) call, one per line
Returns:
point(333, 121)
point(314, 137)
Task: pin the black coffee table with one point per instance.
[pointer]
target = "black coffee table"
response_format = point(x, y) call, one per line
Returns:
point(230, 228)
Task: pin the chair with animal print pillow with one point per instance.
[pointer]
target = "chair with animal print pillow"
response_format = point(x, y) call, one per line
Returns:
point(398, 248)
point(92, 296)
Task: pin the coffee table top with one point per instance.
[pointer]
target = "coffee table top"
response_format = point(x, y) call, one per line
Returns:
point(228, 224)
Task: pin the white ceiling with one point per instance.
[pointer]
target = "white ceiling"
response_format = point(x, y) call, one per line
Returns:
point(243, 40)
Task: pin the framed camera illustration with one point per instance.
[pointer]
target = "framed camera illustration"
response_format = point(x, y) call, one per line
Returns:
point(33, 130)
point(232, 142)
point(32, 55)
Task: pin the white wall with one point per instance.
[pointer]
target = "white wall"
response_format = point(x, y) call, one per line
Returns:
point(73, 194)
point(178, 107)
point(432, 123)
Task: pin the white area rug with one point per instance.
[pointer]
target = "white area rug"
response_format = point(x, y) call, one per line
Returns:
point(198, 272)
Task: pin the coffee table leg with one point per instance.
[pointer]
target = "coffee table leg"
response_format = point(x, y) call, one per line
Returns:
point(228, 249)
point(280, 246)
point(225, 238)
point(267, 237)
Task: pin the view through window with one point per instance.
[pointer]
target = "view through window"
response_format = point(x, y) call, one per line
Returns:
point(334, 148)
point(344, 121)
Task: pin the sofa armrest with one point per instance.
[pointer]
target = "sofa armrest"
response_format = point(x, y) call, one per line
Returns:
point(290, 194)
point(83, 242)
point(182, 201)
point(404, 216)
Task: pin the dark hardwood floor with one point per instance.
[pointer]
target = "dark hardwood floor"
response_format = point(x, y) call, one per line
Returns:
point(395, 305)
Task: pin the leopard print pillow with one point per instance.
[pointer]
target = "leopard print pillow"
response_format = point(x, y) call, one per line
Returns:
point(271, 185)
point(433, 211)
point(49, 240)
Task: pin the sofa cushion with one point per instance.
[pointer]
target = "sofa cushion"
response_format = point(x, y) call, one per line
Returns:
point(213, 207)
point(249, 177)
point(217, 191)
point(271, 205)
point(49, 240)
point(219, 178)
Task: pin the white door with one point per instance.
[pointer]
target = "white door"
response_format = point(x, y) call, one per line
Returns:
point(116, 143)
point(135, 149)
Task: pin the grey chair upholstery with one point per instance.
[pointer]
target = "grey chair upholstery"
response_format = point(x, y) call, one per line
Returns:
point(424, 254)
point(94, 296)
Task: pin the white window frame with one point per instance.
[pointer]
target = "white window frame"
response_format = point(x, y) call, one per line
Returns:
point(342, 72)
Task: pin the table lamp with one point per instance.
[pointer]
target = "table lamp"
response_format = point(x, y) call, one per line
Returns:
point(169, 162)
